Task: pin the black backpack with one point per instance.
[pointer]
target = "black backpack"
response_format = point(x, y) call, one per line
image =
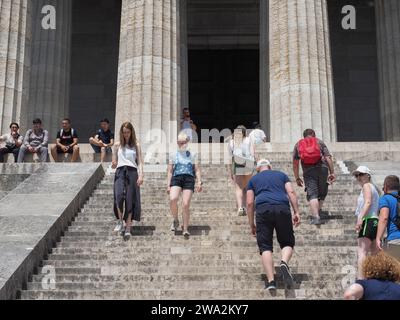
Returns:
point(396, 221)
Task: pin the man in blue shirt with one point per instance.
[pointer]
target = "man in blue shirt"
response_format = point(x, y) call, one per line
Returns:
point(270, 193)
point(388, 217)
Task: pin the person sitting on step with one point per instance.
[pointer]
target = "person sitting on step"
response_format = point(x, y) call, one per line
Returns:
point(35, 142)
point(183, 170)
point(11, 142)
point(66, 142)
point(103, 141)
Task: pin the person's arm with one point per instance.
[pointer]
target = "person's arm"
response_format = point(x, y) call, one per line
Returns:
point(114, 163)
point(73, 144)
point(250, 210)
point(45, 141)
point(140, 165)
point(296, 172)
point(354, 292)
point(19, 141)
point(169, 176)
point(382, 225)
point(194, 127)
point(2, 138)
point(294, 202)
point(367, 193)
point(199, 186)
point(332, 176)
point(111, 143)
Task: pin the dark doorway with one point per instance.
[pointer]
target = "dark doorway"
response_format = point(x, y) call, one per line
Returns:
point(94, 63)
point(224, 88)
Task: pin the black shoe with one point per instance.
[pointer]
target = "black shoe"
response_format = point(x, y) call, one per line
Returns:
point(271, 286)
point(287, 275)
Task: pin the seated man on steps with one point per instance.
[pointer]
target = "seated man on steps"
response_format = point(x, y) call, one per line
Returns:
point(35, 142)
point(66, 142)
point(103, 141)
point(273, 191)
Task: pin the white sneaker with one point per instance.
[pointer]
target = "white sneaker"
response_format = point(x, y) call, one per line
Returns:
point(175, 225)
point(118, 227)
point(241, 212)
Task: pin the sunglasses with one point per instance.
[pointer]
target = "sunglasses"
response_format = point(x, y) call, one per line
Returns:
point(357, 175)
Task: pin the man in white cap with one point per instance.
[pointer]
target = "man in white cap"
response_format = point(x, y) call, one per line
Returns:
point(270, 193)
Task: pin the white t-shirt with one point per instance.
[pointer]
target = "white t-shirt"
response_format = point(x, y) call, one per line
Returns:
point(257, 137)
point(242, 150)
point(127, 157)
point(8, 138)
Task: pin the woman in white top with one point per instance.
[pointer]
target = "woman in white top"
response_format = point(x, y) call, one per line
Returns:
point(242, 152)
point(367, 216)
point(128, 160)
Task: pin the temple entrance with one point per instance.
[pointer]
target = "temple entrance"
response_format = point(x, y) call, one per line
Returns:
point(224, 88)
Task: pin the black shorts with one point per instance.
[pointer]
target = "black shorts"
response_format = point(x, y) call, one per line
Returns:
point(60, 151)
point(277, 218)
point(369, 229)
point(316, 182)
point(186, 182)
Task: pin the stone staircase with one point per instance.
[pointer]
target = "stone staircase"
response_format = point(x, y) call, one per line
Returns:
point(219, 261)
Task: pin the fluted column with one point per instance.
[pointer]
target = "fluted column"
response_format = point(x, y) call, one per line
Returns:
point(50, 70)
point(183, 41)
point(14, 60)
point(148, 67)
point(300, 70)
point(388, 37)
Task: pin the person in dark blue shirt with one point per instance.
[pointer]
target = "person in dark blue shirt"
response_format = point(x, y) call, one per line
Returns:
point(382, 273)
point(103, 141)
point(270, 192)
point(388, 216)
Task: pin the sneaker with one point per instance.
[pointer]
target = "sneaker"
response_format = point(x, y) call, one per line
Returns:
point(287, 275)
point(316, 221)
point(241, 212)
point(175, 225)
point(186, 234)
point(127, 235)
point(271, 286)
point(118, 227)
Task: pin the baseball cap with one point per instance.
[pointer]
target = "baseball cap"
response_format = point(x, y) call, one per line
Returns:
point(363, 170)
point(263, 163)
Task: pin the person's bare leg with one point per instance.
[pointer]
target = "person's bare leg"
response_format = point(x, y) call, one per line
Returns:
point(363, 246)
point(173, 201)
point(268, 263)
point(75, 154)
point(129, 223)
point(239, 191)
point(287, 253)
point(54, 153)
point(103, 154)
point(243, 186)
point(314, 205)
point(187, 197)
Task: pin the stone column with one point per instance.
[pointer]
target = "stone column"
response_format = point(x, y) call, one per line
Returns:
point(300, 70)
point(388, 37)
point(148, 88)
point(50, 70)
point(14, 60)
point(183, 41)
point(264, 68)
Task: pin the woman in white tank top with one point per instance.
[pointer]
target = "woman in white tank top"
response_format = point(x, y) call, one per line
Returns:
point(367, 216)
point(128, 160)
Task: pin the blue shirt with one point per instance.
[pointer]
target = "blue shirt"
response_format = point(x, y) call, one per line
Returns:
point(269, 188)
point(105, 136)
point(183, 163)
point(387, 201)
point(379, 290)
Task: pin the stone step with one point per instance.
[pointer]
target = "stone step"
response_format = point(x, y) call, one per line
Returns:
point(218, 285)
point(255, 294)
